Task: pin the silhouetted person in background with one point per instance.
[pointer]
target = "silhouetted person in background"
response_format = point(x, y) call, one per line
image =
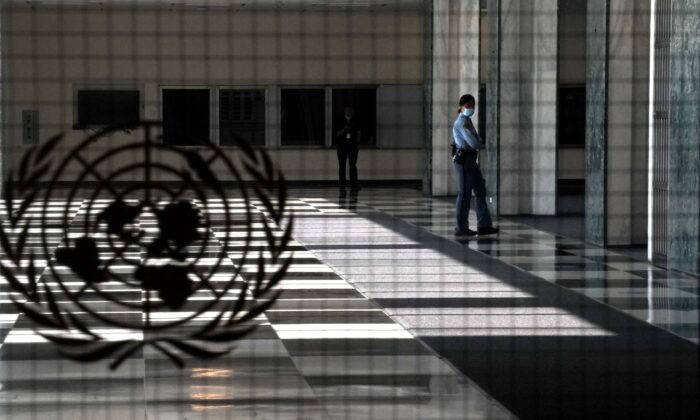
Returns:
point(347, 139)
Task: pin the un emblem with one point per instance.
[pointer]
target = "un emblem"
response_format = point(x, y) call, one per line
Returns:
point(161, 253)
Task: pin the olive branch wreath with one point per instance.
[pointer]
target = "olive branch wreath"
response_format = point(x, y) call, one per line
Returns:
point(73, 338)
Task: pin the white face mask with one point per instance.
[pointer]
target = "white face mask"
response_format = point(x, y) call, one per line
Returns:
point(468, 112)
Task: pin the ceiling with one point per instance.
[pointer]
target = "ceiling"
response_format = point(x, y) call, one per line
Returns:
point(232, 4)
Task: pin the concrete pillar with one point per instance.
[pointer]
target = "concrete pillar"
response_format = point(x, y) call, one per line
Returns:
point(684, 153)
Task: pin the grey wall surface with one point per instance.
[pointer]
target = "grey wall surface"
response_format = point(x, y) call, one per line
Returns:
point(400, 116)
point(684, 159)
point(51, 49)
point(572, 41)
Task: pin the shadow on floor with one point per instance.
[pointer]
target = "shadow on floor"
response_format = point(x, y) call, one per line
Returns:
point(630, 370)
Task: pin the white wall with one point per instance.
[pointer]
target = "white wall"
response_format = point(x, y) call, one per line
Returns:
point(47, 51)
point(400, 116)
point(572, 163)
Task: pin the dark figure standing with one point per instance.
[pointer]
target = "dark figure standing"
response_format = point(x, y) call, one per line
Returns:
point(466, 147)
point(347, 140)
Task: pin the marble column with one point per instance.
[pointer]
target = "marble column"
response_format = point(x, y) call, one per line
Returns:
point(543, 119)
point(468, 32)
point(620, 110)
point(596, 119)
point(455, 71)
point(510, 144)
point(2, 103)
point(684, 153)
point(521, 163)
point(617, 120)
point(640, 124)
point(427, 97)
point(442, 183)
point(491, 75)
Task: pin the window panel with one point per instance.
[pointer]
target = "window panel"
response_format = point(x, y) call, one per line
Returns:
point(303, 117)
point(101, 108)
point(572, 116)
point(364, 104)
point(186, 116)
point(242, 116)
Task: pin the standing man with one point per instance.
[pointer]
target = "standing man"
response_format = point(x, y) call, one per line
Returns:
point(467, 144)
point(347, 140)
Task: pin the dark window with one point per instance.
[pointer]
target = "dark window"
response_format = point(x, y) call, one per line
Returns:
point(186, 116)
point(100, 108)
point(303, 117)
point(242, 116)
point(572, 116)
point(364, 104)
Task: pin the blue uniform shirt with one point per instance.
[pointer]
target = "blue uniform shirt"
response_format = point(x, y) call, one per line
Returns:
point(465, 138)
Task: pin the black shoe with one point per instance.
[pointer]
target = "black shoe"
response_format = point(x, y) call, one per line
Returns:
point(489, 230)
point(464, 233)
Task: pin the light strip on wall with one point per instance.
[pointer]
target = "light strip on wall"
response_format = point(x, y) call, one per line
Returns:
point(650, 175)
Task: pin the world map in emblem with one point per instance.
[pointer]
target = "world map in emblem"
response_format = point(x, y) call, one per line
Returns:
point(142, 245)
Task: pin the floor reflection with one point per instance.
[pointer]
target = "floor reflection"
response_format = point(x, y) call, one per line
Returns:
point(666, 299)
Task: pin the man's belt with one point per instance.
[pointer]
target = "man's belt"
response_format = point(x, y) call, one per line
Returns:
point(466, 151)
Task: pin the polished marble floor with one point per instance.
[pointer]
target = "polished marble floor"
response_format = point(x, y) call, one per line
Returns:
point(384, 315)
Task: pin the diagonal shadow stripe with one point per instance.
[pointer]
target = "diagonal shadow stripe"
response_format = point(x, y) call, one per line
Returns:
point(635, 371)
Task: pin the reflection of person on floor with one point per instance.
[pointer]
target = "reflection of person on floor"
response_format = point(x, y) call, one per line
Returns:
point(346, 201)
point(466, 150)
point(347, 140)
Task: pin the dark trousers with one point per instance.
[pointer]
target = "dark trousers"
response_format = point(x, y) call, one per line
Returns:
point(470, 178)
point(347, 152)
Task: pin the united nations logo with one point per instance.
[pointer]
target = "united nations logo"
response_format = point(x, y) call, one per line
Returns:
point(158, 251)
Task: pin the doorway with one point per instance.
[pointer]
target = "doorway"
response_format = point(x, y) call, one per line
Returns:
point(571, 110)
